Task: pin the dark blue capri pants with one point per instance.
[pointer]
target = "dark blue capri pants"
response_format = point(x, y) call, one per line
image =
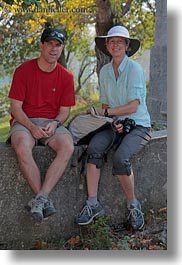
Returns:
point(125, 146)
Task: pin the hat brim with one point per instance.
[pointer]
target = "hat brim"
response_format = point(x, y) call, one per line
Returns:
point(54, 38)
point(132, 49)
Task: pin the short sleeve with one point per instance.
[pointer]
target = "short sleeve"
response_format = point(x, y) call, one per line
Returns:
point(18, 85)
point(68, 95)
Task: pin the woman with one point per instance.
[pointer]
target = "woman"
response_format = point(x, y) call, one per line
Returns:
point(123, 95)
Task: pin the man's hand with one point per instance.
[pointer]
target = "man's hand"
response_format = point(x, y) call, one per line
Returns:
point(39, 132)
point(50, 128)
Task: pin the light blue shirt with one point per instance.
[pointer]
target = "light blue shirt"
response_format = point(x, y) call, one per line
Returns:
point(130, 85)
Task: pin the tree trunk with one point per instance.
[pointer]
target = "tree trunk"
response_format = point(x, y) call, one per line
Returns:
point(104, 21)
point(62, 59)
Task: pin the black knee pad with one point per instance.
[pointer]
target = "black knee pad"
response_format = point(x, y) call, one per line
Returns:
point(123, 168)
point(96, 159)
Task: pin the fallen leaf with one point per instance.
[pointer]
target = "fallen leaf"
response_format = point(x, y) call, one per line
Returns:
point(163, 210)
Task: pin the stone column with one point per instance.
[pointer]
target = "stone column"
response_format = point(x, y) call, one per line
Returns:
point(157, 99)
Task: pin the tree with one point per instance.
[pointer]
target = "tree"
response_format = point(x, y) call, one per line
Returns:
point(137, 16)
point(104, 20)
point(22, 22)
point(21, 25)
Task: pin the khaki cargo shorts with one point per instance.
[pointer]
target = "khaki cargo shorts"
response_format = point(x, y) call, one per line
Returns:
point(16, 126)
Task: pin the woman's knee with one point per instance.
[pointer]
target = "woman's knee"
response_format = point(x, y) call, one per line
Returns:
point(95, 155)
point(121, 165)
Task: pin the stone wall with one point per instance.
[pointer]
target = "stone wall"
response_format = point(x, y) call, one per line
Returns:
point(19, 231)
point(157, 99)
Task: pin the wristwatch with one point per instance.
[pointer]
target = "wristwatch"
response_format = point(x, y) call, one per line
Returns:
point(106, 114)
point(58, 123)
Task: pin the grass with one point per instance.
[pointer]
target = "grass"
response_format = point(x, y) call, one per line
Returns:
point(81, 106)
point(4, 128)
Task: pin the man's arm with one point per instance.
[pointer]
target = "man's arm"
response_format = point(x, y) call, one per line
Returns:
point(21, 117)
point(62, 117)
point(63, 114)
point(19, 114)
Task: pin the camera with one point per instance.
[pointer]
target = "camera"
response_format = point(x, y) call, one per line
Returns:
point(128, 124)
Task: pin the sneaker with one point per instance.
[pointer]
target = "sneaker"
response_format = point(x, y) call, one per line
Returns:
point(136, 216)
point(88, 213)
point(48, 208)
point(29, 205)
point(37, 208)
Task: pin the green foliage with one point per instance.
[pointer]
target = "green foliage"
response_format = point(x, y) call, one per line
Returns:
point(139, 18)
point(4, 128)
point(82, 106)
point(122, 243)
point(25, 2)
point(20, 29)
point(158, 126)
point(97, 235)
point(9, 2)
point(4, 101)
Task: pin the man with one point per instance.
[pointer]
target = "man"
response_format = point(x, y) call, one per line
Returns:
point(123, 95)
point(41, 95)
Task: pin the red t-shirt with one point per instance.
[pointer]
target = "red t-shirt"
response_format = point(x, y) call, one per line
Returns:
point(42, 93)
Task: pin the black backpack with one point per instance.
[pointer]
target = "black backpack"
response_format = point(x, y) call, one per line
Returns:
point(82, 128)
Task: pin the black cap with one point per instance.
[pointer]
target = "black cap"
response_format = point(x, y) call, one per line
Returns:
point(53, 34)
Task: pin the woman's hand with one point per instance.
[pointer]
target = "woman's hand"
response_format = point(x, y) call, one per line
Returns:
point(99, 112)
point(118, 126)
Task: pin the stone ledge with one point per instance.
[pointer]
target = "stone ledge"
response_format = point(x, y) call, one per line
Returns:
point(19, 231)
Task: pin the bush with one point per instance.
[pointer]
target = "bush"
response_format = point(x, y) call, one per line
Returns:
point(4, 101)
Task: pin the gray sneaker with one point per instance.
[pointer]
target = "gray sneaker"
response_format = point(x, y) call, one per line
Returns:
point(48, 209)
point(88, 213)
point(37, 208)
point(136, 216)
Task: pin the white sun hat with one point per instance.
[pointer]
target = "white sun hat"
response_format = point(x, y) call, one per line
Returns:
point(117, 31)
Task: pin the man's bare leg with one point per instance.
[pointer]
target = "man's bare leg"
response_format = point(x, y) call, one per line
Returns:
point(63, 146)
point(23, 143)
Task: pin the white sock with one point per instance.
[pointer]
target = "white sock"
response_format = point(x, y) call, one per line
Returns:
point(42, 194)
point(93, 200)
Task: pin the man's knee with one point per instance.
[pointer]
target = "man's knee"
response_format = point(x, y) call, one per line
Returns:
point(70, 148)
point(62, 143)
point(22, 143)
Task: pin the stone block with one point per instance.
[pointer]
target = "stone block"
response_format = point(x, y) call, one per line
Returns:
point(19, 231)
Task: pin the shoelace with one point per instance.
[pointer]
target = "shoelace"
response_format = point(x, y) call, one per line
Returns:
point(134, 213)
point(38, 203)
point(87, 209)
